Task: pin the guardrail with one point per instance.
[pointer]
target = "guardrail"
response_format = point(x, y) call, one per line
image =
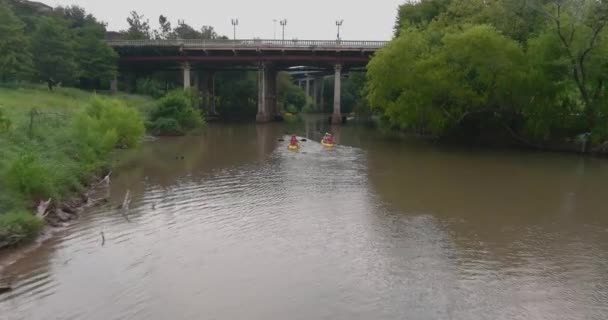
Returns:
point(251, 44)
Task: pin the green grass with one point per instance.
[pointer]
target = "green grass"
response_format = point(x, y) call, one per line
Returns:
point(71, 137)
point(18, 226)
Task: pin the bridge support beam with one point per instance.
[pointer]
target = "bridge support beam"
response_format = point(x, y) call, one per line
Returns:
point(267, 93)
point(308, 87)
point(208, 92)
point(114, 85)
point(336, 117)
point(186, 71)
point(317, 94)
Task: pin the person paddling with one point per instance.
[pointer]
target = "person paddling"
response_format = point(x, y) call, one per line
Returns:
point(328, 139)
point(294, 141)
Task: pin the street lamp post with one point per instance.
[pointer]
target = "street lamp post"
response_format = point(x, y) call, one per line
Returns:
point(235, 22)
point(339, 24)
point(283, 24)
point(274, 28)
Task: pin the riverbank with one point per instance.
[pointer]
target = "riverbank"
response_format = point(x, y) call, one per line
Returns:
point(53, 147)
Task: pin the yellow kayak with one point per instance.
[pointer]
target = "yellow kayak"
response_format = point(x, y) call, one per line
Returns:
point(293, 147)
point(328, 145)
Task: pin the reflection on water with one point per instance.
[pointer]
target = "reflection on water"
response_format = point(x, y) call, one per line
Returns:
point(232, 225)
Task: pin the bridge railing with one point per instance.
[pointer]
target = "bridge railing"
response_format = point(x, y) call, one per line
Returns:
point(251, 44)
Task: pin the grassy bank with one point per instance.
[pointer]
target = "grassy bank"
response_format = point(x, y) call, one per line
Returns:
point(52, 143)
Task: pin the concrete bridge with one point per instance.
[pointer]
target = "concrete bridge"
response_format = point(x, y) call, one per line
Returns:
point(200, 59)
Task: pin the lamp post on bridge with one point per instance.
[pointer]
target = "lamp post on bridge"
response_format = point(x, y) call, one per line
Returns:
point(235, 22)
point(274, 30)
point(283, 24)
point(339, 24)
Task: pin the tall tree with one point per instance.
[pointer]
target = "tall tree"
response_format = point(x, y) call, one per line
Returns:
point(165, 28)
point(96, 60)
point(185, 31)
point(208, 33)
point(53, 50)
point(139, 27)
point(15, 57)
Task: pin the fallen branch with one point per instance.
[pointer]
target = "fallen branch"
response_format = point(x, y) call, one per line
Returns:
point(125, 205)
point(43, 207)
point(127, 201)
point(103, 239)
point(5, 288)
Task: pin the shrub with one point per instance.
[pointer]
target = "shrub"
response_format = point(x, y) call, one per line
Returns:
point(113, 117)
point(166, 126)
point(291, 109)
point(29, 178)
point(149, 87)
point(5, 123)
point(19, 225)
point(179, 106)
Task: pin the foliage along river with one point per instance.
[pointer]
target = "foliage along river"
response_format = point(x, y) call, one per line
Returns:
point(242, 228)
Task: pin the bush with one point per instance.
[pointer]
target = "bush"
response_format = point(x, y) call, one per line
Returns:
point(114, 115)
point(28, 176)
point(5, 123)
point(179, 106)
point(17, 226)
point(149, 87)
point(291, 109)
point(166, 126)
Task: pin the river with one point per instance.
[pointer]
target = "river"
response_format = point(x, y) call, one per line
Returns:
point(232, 225)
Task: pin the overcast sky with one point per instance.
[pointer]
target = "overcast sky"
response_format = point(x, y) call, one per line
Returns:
point(307, 19)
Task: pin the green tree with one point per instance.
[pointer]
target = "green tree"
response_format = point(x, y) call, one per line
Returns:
point(208, 33)
point(185, 31)
point(15, 56)
point(53, 50)
point(165, 28)
point(580, 29)
point(419, 13)
point(96, 60)
point(437, 87)
point(139, 27)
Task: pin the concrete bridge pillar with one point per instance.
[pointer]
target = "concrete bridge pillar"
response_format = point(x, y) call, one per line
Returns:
point(114, 85)
point(271, 95)
point(186, 71)
point(316, 93)
point(336, 117)
point(308, 87)
point(267, 93)
point(208, 92)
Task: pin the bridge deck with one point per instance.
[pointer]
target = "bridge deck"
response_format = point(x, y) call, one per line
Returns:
point(196, 44)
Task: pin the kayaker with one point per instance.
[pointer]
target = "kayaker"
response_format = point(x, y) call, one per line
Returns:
point(328, 138)
point(294, 141)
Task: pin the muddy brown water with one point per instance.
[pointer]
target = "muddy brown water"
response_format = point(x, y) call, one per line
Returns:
point(242, 228)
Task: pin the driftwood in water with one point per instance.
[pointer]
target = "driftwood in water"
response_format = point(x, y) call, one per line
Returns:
point(42, 209)
point(5, 286)
point(125, 205)
point(127, 201)
point(103, 239)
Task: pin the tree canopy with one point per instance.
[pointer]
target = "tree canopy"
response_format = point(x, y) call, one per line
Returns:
point(535, 70)
point(15, 57)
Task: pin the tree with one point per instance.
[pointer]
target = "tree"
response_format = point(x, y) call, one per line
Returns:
point(139, 27)
point(467, 79)
point(53, 50)
point(165, 28)
point(208, 33)
point(15, 57)
point(96, 60)
point(419, 13)
point(580, 27)
point(185, 31)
